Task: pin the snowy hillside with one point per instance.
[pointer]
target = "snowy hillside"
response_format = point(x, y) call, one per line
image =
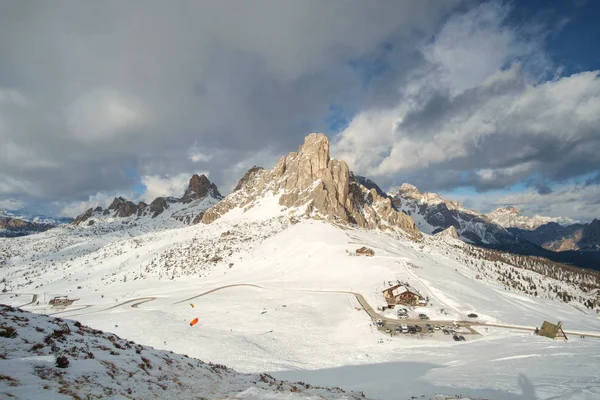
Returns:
point(295, 323)
point(52, 358)
point(509, 217)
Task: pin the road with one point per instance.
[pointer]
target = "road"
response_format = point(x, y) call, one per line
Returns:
point(374, 315)
point(217, 289)
point(532, 329)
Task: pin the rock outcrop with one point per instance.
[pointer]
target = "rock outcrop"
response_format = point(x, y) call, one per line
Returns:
point(247, 176)
point(198, 188)
point(122, 208)
point(84, 216)
point(319, 185)
point(448, 232)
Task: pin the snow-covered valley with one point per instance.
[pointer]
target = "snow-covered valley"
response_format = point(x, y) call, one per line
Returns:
point(291, 324)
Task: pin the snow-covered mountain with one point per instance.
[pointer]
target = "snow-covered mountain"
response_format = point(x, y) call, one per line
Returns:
point(311, 184)
point(433, 214)
point(509, 217)
point(273, 276)
point(44, 357)
point(162, 212)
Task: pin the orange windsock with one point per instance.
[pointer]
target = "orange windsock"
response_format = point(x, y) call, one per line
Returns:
point(194, 322)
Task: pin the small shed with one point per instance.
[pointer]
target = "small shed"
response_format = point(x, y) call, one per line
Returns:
point(552, 331)
point(61, 301)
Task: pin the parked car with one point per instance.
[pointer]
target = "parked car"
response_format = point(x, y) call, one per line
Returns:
point(427, 326)
point(398, 329)
point(404, 328)
point(437, 327)
point(456, 338)
point(402, 311)
point(402, 316)
point(446, 332)
point(430, 329)
point(472, 315)
point(461, 338)
point(423, 316)
point(379, 323)
point(418, 328)
point(412, 330)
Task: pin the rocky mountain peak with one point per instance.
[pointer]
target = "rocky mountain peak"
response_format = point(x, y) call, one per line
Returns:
point(198, 188)
point(311, 180)
point(408, 188)
point(247, 176)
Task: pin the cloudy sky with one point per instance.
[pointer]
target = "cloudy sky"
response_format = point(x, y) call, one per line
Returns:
point(492, 103)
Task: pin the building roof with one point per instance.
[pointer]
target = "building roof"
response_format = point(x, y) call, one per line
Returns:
point(399, 290)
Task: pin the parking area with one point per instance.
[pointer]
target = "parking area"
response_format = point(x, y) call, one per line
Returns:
point(447, 331)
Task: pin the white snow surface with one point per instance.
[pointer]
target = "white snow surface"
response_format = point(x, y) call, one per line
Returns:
point(143, 284)
point(102, 366)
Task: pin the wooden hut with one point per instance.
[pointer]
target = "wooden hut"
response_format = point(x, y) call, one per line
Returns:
point(552, 331)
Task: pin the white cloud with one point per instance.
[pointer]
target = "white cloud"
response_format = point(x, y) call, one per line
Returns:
point(101, 114)
point(474, 112)
point(196, 155)
point(162, 186)
point(9, 96)
point(11, 204)
point(575, 200)
point(73, 209)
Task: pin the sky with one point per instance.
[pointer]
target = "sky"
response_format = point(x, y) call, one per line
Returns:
point(491, 103)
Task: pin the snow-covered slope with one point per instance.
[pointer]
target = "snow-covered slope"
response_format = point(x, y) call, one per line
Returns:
point(509, 217)
point(52, 358)
point(296, 324)
point(433, 214)
point(273, 276)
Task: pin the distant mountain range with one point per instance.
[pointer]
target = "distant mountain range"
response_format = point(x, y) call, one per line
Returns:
point(200, 195)
point(559, 239)
point(339, 195)
point(14, 225)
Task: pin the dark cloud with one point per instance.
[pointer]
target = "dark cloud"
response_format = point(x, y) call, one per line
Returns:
point(593, 181)
point(92, 91)
point(543, 188)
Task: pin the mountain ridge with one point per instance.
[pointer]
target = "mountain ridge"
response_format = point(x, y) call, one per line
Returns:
point(199, 195)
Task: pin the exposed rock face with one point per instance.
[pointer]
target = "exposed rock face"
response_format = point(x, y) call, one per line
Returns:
point(449, 232)
point(247, 176)
point(435, 214)
point(309, 178)
point(84, 217)
point(141, 207)
point(198, 188)
point(157, 206)
point(122, 207)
